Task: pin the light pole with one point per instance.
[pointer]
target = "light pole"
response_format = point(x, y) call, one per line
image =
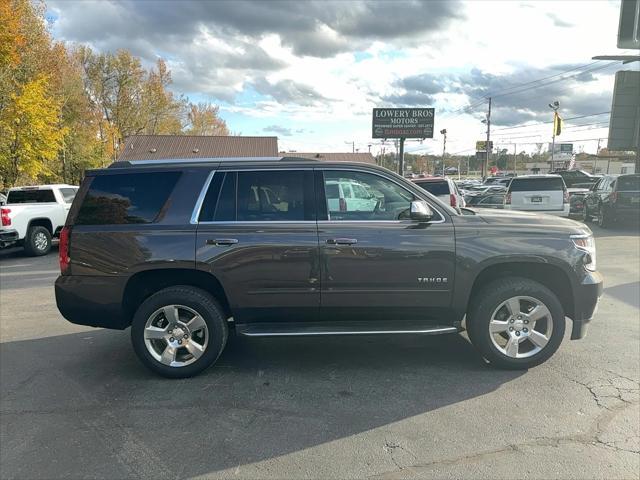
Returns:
point(444, 147)
point(554, 106)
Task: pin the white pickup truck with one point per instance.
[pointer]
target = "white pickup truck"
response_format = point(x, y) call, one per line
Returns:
point(32, 216)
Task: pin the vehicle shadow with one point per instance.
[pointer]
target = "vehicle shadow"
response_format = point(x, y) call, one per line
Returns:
point(628, 293)
point(81, 405)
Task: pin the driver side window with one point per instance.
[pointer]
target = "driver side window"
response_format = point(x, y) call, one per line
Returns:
point(375, 197)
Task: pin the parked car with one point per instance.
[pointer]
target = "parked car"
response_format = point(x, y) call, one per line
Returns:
point(183, 253)
point(538, 193)
point(492, 200)
point(614, 199)
point(577, 178)
point(444, 188)
point(34, 215)
point(484, 189)
point(497, 181)
point(576, 201)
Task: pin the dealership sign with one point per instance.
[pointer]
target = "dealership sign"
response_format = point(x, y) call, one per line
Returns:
point(403, 122)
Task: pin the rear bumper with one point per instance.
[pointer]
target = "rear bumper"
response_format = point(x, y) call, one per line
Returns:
point(8, 237)
point(95, 301)
point(586, 303)
point(558, 213)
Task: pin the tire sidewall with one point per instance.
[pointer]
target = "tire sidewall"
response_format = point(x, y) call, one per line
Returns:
point(30, 245)
point(200, 301)
point(495, 294)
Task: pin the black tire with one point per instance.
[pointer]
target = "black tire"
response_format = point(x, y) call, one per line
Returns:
point(604, 220)
point(33, 245)
point(196, 299)
point(586, 218)
point(490, 298)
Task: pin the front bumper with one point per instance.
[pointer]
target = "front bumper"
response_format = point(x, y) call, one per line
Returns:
point(7, 237)
point(586, 303)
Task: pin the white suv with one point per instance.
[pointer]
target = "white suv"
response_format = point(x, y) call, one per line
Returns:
point(538, 193)
point(444, 188)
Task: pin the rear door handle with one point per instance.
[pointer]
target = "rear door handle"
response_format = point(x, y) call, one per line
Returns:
point(222, 241)
point(342, 241)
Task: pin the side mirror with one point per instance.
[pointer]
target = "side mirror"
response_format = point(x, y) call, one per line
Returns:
point(421, 211)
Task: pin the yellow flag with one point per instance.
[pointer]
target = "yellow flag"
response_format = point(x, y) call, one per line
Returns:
point(557, 124)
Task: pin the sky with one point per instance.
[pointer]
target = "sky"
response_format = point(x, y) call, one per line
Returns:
point(310, 72)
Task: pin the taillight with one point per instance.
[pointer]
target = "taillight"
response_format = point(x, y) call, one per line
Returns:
point(343, 205)
point(453, 200)
point(566, 197)
point(63, 250)
point(507, 199)
point(4, 215)
point(613, 197)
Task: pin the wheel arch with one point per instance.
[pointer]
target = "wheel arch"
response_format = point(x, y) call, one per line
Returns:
point(41, 222)
point(550, 275)
point(142, 285)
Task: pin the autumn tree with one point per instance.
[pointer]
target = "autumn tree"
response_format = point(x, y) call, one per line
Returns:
point(203, 119)
point(29, 127)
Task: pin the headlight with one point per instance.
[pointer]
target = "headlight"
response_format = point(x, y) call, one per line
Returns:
point(587, 244)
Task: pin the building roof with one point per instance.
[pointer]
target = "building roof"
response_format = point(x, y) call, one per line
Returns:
point(153, 147)
point(336, 156)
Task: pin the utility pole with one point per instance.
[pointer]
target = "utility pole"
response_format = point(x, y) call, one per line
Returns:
point(444, 147)
point(353, 146)
point(486, 167)
point(554, 106)
point(515, 159)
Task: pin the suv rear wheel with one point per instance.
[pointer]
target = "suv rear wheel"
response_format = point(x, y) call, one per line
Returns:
point(516, 323)
point(179, 331)
point(37, 241)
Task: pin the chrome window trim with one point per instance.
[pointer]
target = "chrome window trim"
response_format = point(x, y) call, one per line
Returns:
point(256, 222)
point(203, 193)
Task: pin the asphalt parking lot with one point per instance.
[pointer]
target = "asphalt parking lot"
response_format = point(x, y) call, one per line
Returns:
point(76, 403)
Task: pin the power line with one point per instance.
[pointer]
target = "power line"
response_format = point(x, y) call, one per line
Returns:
point(554, 81)
point(573, 128)
point(545, 78)
point(545, 123)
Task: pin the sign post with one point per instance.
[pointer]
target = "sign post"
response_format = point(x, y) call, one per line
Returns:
point(402, 123)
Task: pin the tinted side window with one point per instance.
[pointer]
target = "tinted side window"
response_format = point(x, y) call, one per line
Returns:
point(631, 184)
point(126, 198)
point(435, 188)
point(31, 196)
point(385, 200)
point(536, 184)
point(226, 208)
point(273, 196)
point(68, 194)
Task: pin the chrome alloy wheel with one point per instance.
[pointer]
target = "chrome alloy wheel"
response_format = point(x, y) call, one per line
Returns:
point(40, 241)
point(521, 327)
point(176, 335)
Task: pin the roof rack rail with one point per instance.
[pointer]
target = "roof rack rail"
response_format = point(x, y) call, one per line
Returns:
point(166, 161)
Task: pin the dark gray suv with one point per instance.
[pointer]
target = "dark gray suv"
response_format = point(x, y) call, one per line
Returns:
point(186, 251)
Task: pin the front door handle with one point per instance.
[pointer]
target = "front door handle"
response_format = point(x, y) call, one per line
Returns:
point(342, 241)
point(222, 241)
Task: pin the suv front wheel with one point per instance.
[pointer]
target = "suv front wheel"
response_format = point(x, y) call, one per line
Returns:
point(516, 323)
point(179, 331)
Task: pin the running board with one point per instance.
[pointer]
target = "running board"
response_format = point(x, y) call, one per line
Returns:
point(348, 328)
